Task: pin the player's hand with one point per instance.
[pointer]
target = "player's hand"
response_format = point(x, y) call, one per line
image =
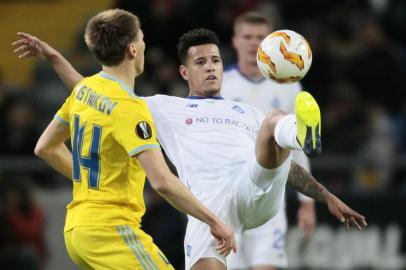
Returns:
point(345, 214)
point(225, 238)
point(31, 46)
point(306, 217)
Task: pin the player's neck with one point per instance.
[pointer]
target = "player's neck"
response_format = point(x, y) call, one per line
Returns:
point(203, 94)
point(250, 71)
point(121, 73)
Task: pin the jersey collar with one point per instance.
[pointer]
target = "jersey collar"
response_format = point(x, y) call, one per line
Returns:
point(120, 82)
point(209, 97)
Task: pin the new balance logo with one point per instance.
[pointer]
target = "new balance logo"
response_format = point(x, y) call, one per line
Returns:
point(276, 103)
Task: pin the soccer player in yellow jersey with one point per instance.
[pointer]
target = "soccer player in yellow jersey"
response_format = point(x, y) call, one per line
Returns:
point(113, 148)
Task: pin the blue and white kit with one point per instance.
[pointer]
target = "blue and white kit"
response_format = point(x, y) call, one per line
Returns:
point(211, 142)
point(265, 95)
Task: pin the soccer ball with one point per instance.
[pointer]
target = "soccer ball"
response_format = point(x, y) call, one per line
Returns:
point(284, 56)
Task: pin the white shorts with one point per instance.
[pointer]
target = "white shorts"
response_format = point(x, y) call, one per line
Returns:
point(264, 245)
point(243, 205)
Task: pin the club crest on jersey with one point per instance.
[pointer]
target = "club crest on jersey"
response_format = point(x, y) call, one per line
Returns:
point(238, 109)
point(143, 130)
point(188, 121)
point(275, 103)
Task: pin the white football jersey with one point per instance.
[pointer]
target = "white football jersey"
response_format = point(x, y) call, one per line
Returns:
point(206, 139)
point(265, 95)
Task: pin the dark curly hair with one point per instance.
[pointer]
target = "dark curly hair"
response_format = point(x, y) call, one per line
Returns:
point(195, 37)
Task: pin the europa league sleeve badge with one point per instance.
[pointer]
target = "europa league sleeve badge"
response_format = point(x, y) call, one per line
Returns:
point(143, 130)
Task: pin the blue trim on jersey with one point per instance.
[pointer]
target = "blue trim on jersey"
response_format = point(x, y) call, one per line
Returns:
point(199, 97)
point(61, 120)
point(235, 66)
point(230, 67)
point(142, 148)
point(121, 83)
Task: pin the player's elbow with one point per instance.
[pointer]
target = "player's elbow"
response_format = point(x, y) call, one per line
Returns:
point(161, 184)
point(42, 151)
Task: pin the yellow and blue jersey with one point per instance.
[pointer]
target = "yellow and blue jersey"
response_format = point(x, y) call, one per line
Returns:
point(108, 126)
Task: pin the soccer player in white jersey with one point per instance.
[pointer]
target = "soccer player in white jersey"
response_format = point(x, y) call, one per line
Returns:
point(232, 157)
point(243, 82)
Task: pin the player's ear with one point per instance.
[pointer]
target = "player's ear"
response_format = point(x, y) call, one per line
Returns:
point(184, 72)
point(132, 50)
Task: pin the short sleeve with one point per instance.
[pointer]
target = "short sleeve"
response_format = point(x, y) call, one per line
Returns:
point(62, 115)
point(133, 127)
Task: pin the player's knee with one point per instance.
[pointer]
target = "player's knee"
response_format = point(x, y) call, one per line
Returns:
point(276, 113)
point(272, 119)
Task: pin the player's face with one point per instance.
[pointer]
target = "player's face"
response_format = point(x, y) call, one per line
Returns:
point(140, 46)
point(246, 40)
point(203, 70)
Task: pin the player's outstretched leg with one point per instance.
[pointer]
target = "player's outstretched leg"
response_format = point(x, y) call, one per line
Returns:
point(281, 132)
point(308, 124)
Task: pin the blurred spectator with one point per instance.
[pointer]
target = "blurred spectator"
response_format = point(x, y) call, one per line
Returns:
point(395, 19)
point(377, 155)
point(163, 77)
point(18, 126)
point(344, 119)
point(162, 22)
point(47, 92)
point(375, 69)
point(22, 243)
point(400, 128)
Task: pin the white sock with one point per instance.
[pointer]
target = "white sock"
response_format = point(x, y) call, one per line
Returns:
point(286, 131)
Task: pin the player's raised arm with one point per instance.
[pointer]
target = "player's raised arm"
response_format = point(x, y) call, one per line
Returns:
point(31, 46)
point(304, 182)
point(175, 192)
